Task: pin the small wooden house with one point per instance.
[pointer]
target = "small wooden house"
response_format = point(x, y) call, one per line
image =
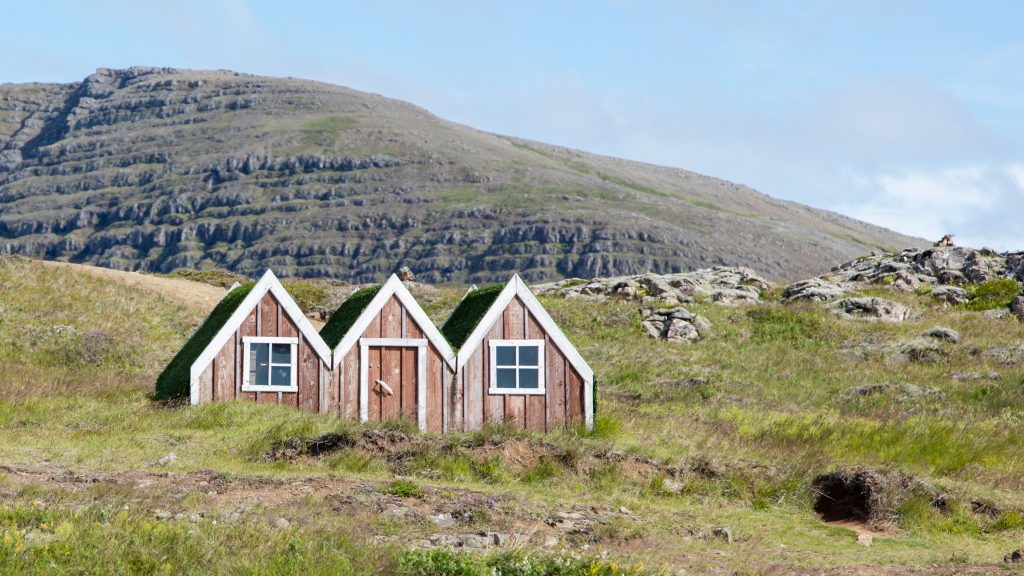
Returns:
point(255, 345)
point(514, 363)
point(388, 359)
point(380, 357)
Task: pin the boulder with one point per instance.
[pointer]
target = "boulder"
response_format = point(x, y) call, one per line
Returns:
point(1017, 307)
point(950, 294)
point(870, 308)
point(917, 350)
point(942, 333)
point(675, 324)
point(815, 290)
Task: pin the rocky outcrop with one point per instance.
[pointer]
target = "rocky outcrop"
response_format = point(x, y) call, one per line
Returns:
point(870, 309)
point(675, 325)
point(911, 268)
point(728, 286)
point(940, 270)
point(816, 290)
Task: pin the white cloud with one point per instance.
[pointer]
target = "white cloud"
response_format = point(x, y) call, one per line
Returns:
point(981, 204)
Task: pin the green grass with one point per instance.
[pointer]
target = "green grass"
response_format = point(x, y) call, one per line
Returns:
point(747, 418)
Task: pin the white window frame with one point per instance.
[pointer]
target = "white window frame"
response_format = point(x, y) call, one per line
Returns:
point(541, 388)
point(247, 341)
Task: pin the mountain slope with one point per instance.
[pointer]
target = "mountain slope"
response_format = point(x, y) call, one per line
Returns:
point(153, 169)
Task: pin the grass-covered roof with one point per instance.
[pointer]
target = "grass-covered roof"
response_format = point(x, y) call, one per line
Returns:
point(174, 380)
point(346, 315)
point(468, 314)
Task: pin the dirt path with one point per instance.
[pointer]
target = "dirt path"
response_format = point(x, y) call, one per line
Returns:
point(197, 295)
point(194, 294)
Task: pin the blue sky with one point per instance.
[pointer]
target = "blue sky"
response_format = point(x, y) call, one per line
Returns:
point(909, 114)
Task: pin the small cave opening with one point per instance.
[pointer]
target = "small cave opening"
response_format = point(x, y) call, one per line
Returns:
point(843, 497)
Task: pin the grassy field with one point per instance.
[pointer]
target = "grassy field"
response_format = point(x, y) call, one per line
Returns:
point(729, 433)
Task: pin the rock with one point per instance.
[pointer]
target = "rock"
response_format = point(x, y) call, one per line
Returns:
point(397, 511)
point(875, 309)
point(38, 538)
point(442, 520)
point(727, 286)
point(406, 275)
point(961, 376)
point(996, 314)
point(1014, 557)
point(477, 541)
point(865, 539)
point(1008, 354)
point(1017, 307)
point(900, 391)
point(281, 523)
point(672, 485)
point(572, 523)
point(675, 324)
point(815, 290)
point(917, 350)
point(950, 295)
point(161, 514)
point(167, 460)
point(723, 534)
point(626, 511)
point(942, 333)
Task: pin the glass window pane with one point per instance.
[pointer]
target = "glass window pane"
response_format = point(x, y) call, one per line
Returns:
point(528, 378)
point(527, 355)
point(282, 354)
point(505, 355)
point(281, 375)
point(506, 378)
point(259, 364)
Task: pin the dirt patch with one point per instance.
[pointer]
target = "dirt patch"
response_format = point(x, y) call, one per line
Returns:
point(197, 295)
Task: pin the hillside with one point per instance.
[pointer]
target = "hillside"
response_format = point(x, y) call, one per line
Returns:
point(153, 169)
point(705, 458)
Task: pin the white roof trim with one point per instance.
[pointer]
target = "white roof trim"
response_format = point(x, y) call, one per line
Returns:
point(267, 283)
point(393, 287)
point(516, 287)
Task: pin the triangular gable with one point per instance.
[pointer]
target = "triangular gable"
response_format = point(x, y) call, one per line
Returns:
point(393, 287)
point(516, 287)
point(267, 283)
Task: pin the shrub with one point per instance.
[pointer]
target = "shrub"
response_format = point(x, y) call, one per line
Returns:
point(435, 562)
point(404, 489)
point(992, 294)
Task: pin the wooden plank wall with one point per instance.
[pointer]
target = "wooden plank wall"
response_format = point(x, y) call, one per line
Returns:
point(461, 399)
point(222, 379)
point(562, 403)
point(396, 365)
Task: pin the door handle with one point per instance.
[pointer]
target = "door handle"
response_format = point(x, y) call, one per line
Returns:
point(385, 386)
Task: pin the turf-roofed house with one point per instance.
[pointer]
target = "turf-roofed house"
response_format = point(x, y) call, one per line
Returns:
point(388, 359)
point(255, 345)
point(514, 363)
